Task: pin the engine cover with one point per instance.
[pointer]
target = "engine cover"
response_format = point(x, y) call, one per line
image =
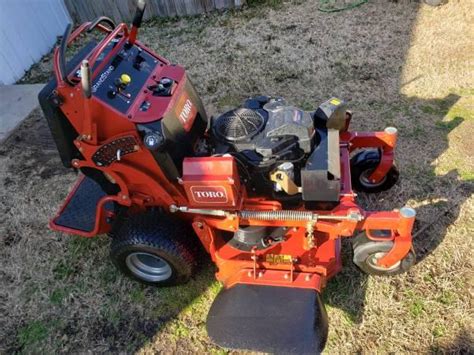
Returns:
point(265, 125)
point(283, 152)
point(261, 135)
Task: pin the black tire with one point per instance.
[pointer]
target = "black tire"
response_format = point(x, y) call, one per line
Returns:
point(366, 253)
point(363, 164)
point(154, 248)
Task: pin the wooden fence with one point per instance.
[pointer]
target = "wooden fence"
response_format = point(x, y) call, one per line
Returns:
point(123, 10)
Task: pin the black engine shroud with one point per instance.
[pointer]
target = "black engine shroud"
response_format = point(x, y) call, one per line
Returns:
point(267, 132)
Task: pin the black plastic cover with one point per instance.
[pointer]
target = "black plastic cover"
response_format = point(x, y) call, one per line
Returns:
point(331, 114)
point(320, 179)
point(269, 319)
point(61, 129)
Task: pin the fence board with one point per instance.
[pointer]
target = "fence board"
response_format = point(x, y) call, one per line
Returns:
point(22, 45)
point(123, 10)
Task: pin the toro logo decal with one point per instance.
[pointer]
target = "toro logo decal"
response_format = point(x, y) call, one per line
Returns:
point(186, 111)
point(209, 194)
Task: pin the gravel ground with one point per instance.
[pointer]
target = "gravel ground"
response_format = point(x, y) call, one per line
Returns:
point(396, 63)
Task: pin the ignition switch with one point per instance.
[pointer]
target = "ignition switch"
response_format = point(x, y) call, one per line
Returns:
point(153, 140)
point(163, 88)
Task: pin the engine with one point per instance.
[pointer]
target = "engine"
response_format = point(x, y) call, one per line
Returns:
point(283, 152)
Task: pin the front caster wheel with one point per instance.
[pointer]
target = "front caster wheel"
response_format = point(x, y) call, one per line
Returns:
point(367, 252)
point(154, 249)
point(363, 165)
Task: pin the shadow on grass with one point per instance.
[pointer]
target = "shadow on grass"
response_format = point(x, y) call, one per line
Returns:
point(149, 311)
point(463, 344)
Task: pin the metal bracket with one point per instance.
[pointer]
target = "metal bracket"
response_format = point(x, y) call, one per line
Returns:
point(286, 183)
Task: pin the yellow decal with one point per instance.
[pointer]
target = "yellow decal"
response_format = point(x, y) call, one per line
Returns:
point(278, 258)
point(335, 101)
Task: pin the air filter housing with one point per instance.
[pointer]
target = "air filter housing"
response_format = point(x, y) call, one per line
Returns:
point(240, 124)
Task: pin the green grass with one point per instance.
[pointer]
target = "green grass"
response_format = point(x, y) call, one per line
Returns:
point(447, 298)
point(415, 303)
point(229, 101)
point(32, 333)
point(63, 270)
point(137, 295)
point(439, 330)
point(58, 295)
point(450, 124)
point(179, 330)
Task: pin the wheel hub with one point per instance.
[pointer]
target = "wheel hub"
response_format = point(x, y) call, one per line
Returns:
point(148, 267)
point(366, 181)
point(373, 261)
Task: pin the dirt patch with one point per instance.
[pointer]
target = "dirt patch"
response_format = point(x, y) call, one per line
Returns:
point(397, 63)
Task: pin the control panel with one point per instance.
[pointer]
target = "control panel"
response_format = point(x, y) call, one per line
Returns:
point(123, 77)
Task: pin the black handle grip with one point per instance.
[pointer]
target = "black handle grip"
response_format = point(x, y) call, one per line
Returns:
point(62, 54)
point(137, 19)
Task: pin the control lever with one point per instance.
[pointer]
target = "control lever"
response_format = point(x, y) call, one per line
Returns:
point(86, 79)
point(88, 130)
point(137, 21)
point(120, 84)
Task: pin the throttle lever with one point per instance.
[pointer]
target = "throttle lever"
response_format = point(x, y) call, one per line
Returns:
point(137, 21)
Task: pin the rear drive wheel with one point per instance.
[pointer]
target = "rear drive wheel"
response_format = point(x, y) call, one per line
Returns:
point(367, 252)
point(363, 165)
point(154, 249)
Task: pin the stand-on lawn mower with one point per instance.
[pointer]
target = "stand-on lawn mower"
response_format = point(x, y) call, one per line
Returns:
point(266, 187)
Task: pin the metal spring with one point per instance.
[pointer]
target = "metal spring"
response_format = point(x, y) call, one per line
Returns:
point(278, 215)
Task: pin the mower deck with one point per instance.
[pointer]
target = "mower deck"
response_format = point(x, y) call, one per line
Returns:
point(269, 319)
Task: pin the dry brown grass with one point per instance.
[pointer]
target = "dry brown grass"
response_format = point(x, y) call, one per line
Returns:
point(400, 64)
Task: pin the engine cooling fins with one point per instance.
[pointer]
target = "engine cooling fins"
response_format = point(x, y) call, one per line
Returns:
point(238, 125)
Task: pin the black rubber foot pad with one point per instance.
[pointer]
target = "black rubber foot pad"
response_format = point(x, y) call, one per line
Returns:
point(80, 211)
point(269, 319)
